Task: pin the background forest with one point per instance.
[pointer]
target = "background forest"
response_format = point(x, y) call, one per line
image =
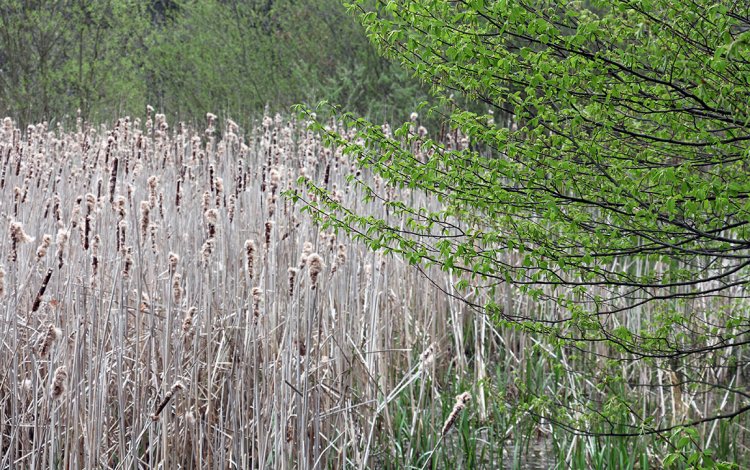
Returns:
point(185, 58)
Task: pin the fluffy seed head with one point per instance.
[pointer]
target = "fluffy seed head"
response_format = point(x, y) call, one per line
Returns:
point(53, 334)
point(315, 263)
point(173, 260)
point(17, 235)
point(250, 257)
point(58, 382)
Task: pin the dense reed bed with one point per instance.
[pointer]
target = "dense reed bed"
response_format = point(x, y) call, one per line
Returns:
point(165, 306)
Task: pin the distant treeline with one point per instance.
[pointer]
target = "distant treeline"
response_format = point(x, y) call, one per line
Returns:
point(187, 57)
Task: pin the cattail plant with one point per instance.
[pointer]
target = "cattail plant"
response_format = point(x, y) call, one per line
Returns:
point(127, 262)
point(257, 298)
point(212, 218)
point(17, 237)
point(269, 226)
point(52, 335)
point(61, 240)
point(176, 387)
point(231, 207)
point(144, 222)
point(122, 229)
point(307, 248)
point(2, 280)
point(461, 401)
point(173, 259)
point(315, 266)
point(41, 251)
point(187, 322)
point(292, 271)
point(250, 258)
point(177, 288)
point(59, 382)
point(206, 250)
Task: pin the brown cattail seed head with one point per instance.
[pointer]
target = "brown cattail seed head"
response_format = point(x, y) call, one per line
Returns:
point(315, 263)
point(41, 251)
point(212, 218)
point(61, 240)
point(257, 298)
point(119, 206)
point(269, 225)
point(206, 201)
point(231, 207)
point(2, 281)
point(173, 260)
point(58, 382)
point(53, 334)
point(292, 275)
point(177, 287)
point(145, 212)
point(207, 249)
point(306, 250)
point(187, 322)
point(127, 262)
point(461, 401)
point(250, 257)
point(17, 235)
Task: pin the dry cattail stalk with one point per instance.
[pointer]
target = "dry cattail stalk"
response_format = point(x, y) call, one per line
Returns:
point(315, 263)
point(461, 401)
point(176, 387)
point(53, 334)
point(61, 240)
point(250, 257)
point(58, 382)
point(292, 275)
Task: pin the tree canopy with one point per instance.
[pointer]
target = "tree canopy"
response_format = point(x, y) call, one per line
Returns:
point(606, 174)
